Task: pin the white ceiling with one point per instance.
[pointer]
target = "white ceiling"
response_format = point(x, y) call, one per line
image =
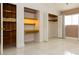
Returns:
point(62, 6)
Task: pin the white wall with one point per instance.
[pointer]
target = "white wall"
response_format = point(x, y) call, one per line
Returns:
point(20, 26)
point(60, 26)
point(45, 26)
point(43, 20)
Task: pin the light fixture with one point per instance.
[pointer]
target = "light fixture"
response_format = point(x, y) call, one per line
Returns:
point(66, 4)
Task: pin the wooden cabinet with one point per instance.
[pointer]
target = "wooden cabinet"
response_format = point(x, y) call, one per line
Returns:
point(9, 25)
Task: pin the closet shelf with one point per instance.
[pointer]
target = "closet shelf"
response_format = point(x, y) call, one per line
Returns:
point(28, 24)
point(31, 31)
point(9, 20)
point(53, 20)
point(30, 18)
point(9, 11)
point(9, 30)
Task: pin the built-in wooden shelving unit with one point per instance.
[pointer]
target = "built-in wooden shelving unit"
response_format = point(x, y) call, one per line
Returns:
point(53, 18)
point(32, 20)
point(9, 25)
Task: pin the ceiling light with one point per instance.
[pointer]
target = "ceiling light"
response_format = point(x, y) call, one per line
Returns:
point(67, 4)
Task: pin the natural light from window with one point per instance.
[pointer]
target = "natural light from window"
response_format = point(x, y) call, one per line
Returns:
point(72, 19)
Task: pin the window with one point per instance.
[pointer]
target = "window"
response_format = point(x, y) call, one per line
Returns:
point(71, 19)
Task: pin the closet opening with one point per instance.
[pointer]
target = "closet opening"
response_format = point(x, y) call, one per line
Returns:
point(9, 25)
point(52, 26)
point(31, 25)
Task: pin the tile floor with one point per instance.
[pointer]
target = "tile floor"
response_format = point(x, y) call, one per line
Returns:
point(52, 47)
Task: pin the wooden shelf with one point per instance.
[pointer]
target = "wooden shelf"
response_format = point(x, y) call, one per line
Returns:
point(30, 18)
point(9, 30)
point(9, 11)
point(30, 10)
point(51, 15)
point(31, 31)
point(53, 20)
point(28, 24)
point(8, 21)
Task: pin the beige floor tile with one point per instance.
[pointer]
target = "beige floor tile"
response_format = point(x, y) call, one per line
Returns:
point(52, 47)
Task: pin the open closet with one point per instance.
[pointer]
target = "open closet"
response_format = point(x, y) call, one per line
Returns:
point(9, 25)
point(31, 25)
point(52, 26)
